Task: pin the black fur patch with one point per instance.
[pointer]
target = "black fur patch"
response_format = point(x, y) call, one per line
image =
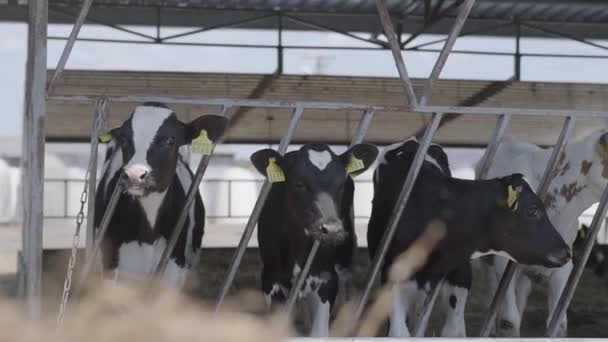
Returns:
point(453, 301)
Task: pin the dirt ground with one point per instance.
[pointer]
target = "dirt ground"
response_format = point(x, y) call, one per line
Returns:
point(588, 314)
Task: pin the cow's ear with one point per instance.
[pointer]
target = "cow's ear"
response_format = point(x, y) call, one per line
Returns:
point(514, 185)
point(359, 158)
point(269, 163)
point(114, 133)
point(211, 126)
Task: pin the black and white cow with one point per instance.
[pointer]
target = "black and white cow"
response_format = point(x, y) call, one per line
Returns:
point(146, 150)
point(314, 202)
point(479, 220)
point(597, 258)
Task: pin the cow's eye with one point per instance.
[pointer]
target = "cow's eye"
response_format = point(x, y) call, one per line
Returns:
point(300, 185)
point(169, 141)
point(532, 211)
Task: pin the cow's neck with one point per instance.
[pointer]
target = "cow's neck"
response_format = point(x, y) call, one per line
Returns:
point(151, 205)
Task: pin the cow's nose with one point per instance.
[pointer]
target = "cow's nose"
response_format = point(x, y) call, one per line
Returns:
point(136, 173)
point(331, 227)
point(560, 258)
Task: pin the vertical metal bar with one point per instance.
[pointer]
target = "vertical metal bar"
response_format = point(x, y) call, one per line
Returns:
point(486, 162)
point(465, 9)
point(98, 124)
point(360, 132)
point(387, 24)
point(517, 70)
point(568, 292)
point(33, 155)
point(229, 198)
point(257, 209)
point(69, 45)
point(542, 188)
point(280, 44)
point(404, 195)
point(65, 199)
point(103, 228)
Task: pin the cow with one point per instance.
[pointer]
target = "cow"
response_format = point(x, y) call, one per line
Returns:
point(496, 216)
point(145, 152)
point(311, 198)
point(597, 258)
point(576, 184)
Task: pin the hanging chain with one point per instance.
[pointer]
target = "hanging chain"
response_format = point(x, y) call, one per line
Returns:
point(67, 284)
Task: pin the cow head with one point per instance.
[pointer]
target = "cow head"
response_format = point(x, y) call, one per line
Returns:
point(314, 177)
point(521, 228)
point(150, 140)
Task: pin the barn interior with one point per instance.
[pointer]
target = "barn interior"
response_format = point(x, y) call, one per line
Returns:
point(566, 38)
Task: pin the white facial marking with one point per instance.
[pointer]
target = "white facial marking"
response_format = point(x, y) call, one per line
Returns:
point(326, 205)
point(320, 159)
point(112, 165)
point(145, 123)
point(503, 254)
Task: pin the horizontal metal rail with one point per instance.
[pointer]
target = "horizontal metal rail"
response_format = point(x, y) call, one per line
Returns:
point(339, 106)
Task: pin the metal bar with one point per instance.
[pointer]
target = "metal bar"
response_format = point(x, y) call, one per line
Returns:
point(564, 35)
point(469, 33)
point(404, 195)
point(331, 29)
point(65, 198)
point(343, 106)
point(396, 50)
point(69, 45)
point(517, 66)
point(507, 276)
point(98, 124)
point(568, 292)
point(465, 9)
point(209, 28)
point(427, 308)
point(33, 155)
point(257, 209)
point(360, 132)
point(293, 296)
point(280, 49)
point(103, 228)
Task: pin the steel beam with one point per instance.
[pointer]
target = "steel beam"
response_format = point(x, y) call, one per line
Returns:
point(486, 162)
point(389, 31)
point(257, 210)
point(69, 45)
point(33, 155)
point(568, 292)
point(507, 276)
point(463, 14)
point(406, 190)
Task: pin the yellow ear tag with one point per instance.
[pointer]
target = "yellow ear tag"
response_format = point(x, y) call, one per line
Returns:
point(202, 144)
point(105, 137)
point(512, 199)
point(274, 172)
point(354, 164)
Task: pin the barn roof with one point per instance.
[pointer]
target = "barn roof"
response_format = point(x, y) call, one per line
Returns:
point(574, 17)
point(72, 121)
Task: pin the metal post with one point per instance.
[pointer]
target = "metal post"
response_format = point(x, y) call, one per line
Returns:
point(406, 190)
point(280, 45)
point(103, 228)
point(360, 132)
point(579, 267)
point(257, 209)
point(99, 123)
point(542, 188)
point(33, 155)
point(465, 9)
point(496, 138)
point(387, 24)
point(517, 51)
point(69, 45)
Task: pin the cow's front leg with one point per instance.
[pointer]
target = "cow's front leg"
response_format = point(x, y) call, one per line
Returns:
point(321, 303)
point(404, 299)
point(557, 282)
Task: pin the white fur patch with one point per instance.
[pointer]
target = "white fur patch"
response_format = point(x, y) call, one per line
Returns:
point(276, 288)
point(503, 254)
point(139, 258)
point(151, 205)
point(320, 159)
point(326, 206)
point(321, 317)
point(145, 123)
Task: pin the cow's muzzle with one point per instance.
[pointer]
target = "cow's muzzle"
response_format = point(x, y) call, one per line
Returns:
point(137, 176)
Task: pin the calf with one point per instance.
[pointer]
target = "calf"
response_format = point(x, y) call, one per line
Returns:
point(576, 184)
point(311, 199)
point(500, 215)
point(145, 151)
point(597, 258)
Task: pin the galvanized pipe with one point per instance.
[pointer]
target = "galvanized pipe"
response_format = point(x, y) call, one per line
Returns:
point(360, 132)
point(387, 24)
point(406, 190)
point(465, 9)
point(103, 228)
point(257, 210)
point(98, 126)
point(507, 276)
point(69, 45)
point(575, 276)
point(486, 162)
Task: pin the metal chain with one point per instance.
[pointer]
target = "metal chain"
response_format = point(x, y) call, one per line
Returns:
point(67, 284)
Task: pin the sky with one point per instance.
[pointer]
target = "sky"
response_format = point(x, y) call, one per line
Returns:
point(108, 56)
